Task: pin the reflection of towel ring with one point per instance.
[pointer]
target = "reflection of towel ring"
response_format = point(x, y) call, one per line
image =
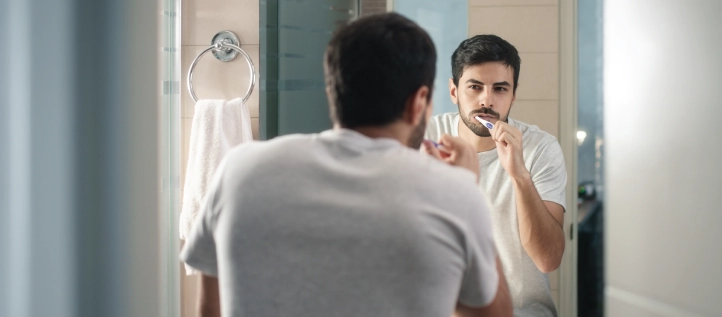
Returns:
point(225, 47)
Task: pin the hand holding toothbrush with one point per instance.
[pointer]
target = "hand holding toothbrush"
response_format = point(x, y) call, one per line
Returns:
point(508, 141)
point(454, 151)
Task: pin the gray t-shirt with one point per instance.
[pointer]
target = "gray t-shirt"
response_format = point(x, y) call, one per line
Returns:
point(543, 157)
point(339, 224)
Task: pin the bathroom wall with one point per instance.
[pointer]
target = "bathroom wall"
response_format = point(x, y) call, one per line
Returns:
point(532, 26)
point(213, 79)
point(373, 6)
point(662, 79)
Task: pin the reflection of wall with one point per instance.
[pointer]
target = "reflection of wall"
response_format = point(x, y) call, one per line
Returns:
point(532, 26)
point(373, 6)
point(213, 79)
point(446, 24)
point(662, 79)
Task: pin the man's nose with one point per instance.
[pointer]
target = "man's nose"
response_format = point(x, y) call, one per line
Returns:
point(485, 99)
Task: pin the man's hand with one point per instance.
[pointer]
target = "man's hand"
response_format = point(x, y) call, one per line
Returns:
point(509, 147)
point(454, 151)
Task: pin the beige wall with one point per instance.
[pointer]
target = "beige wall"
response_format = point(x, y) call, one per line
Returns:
point(213, 79)
point(532, 26)
point(373, 6)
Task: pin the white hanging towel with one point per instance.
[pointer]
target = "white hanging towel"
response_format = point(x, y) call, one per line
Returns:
point(218, 126)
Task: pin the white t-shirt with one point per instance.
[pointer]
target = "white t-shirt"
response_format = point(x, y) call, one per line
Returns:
point(543, 157)
point(339, 224)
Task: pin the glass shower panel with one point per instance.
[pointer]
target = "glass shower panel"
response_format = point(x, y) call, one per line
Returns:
point(447, 24)
point(293, 91)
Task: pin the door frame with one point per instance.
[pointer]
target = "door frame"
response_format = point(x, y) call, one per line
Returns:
point(567, 140)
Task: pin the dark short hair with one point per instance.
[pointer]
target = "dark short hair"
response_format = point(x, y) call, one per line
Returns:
point(481, 49)
point(373, 65)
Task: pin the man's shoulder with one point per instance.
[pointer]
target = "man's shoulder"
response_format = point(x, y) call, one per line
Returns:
point(441, 124)
point(532, 135)
point(432, 176)
point(539, 145)
point(280, 147)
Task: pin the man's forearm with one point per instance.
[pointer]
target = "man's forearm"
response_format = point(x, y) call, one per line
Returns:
point(541, 234)
point(209, 302)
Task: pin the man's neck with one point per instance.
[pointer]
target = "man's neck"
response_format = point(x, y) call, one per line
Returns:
point(392, 131)
point(481, 144)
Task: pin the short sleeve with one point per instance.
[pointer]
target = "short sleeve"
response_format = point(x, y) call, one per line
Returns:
point(481, 278)
point(199, 250)
point(439, 125)
point(432, 130)
point(549, 173)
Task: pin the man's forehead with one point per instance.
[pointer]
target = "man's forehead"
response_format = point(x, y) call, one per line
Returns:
point(487, 69)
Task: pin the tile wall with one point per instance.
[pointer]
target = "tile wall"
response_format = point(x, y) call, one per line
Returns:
point(213, 79)
point(532, 26)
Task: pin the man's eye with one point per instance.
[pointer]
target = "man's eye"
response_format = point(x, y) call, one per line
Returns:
point(475, 87)
point(501, 89)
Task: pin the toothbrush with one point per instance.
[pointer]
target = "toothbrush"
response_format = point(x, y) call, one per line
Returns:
point(436, 145)
point(441, 147)
point(487, 124)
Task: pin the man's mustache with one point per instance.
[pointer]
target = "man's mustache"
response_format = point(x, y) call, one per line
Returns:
point(486, 111)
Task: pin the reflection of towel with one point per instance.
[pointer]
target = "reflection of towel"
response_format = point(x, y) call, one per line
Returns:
point(218, 125)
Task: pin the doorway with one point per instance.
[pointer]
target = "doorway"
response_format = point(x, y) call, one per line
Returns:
point(590, 164)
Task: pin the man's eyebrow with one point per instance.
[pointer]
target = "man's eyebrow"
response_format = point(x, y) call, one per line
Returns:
point(501, 83)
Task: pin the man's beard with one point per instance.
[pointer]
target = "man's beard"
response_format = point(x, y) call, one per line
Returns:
point(476, 126)
point(417, 135)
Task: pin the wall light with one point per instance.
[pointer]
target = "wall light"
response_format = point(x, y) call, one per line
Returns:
point(581, 135)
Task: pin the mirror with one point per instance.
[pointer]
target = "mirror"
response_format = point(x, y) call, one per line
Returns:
point(286, 40)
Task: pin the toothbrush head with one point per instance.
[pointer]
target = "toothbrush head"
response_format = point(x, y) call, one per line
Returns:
point(487, 124)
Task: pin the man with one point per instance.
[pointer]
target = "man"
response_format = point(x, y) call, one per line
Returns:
point(353, 221)
point(521, 167)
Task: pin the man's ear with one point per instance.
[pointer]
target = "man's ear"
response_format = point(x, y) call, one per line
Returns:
point(513, 98)
point(416, 106)
point(453, 92)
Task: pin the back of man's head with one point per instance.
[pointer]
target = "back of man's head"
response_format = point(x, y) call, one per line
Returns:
point(373, 66)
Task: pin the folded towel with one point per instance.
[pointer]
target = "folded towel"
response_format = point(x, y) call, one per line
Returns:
point(218, 126)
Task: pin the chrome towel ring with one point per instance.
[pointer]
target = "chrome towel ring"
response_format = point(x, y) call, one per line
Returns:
point(225, 47)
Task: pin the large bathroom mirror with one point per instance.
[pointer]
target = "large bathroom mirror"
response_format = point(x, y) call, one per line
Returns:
point(285, 40)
